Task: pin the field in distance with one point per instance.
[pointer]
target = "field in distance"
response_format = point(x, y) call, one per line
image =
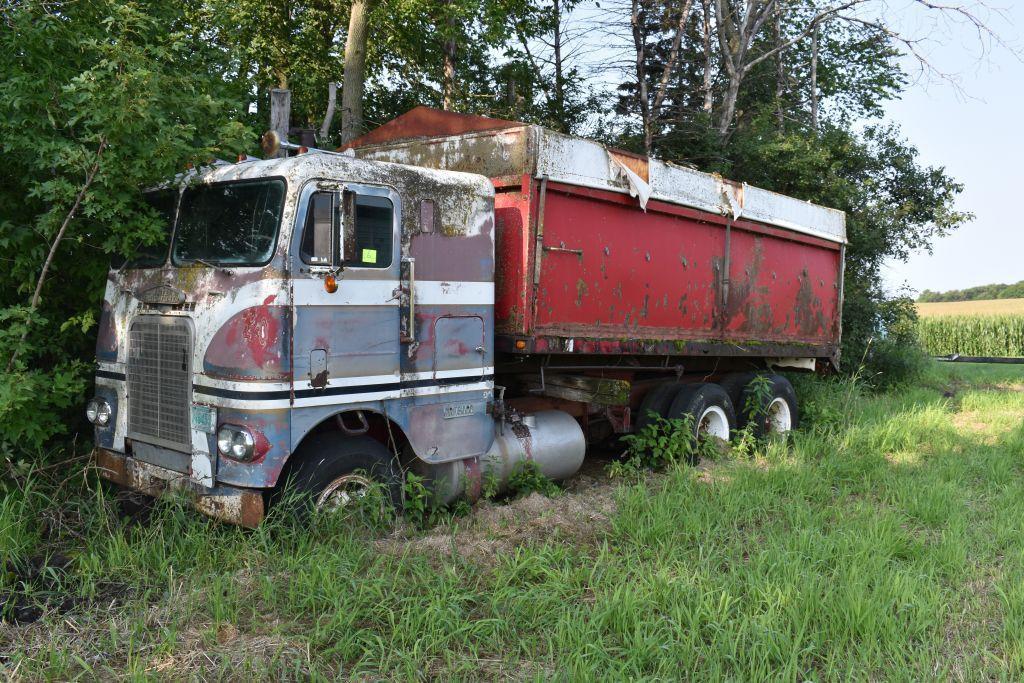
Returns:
point(983, 307)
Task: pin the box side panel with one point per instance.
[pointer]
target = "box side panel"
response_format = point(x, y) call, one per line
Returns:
point(781, 290)
point(611, 271)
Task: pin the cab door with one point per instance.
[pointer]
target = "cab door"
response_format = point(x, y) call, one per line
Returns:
point(346, 341)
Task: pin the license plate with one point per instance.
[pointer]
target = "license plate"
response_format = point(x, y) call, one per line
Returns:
point(204, 419)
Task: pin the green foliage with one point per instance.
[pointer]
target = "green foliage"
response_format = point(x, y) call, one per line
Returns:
point(982, 293)
point(98, 100)
point(419, 502)
point(896, 356)
point(663, 442)
point(973, 335)
point(526, 478)
point(757, 397)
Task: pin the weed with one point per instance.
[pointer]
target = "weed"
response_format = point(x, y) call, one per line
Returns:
point(527, 478)
point(663, 442)
point(419, 501)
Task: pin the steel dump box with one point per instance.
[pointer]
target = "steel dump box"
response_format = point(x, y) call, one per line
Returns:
point(604, 252)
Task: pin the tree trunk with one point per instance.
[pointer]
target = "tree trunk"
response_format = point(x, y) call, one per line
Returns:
point(450, 47)
point(332, 99)
point(355, 71)
point(814, 79)
point(559, 99)
point(280, 115)
point(639, 43)
point(449, 75)
point(729, 104)
point(780, 71)
point(708, 57)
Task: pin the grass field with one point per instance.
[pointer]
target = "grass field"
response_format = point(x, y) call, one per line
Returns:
point(986, 307)
point(884, 542)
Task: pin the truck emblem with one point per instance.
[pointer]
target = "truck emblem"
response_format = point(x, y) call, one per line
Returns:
point(161, 294)
point(457, 410)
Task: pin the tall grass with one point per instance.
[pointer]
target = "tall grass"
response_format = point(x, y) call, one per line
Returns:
point(973, 335)
point(883, 541)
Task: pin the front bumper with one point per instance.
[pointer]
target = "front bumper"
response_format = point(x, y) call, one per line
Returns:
point(231, 504)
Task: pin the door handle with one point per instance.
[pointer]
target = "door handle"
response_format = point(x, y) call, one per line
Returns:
point(408, 301)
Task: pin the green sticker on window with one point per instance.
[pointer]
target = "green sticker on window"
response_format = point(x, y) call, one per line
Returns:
point(369, 255)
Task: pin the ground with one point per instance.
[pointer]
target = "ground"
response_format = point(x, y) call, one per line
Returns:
point(883, 541)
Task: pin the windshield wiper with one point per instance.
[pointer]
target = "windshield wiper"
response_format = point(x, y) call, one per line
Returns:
point(226, 271)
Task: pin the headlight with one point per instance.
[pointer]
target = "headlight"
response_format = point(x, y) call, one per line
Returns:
point(235, 442)
point(98, 412)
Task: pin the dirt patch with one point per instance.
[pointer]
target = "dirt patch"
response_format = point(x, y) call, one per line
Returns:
point(579, 515)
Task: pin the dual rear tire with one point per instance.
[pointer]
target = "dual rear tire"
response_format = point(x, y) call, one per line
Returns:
point(718, 410)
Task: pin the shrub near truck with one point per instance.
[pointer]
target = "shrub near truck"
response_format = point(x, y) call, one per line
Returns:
point(454, 295)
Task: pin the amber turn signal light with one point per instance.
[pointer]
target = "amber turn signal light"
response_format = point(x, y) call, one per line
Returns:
point(331, 284)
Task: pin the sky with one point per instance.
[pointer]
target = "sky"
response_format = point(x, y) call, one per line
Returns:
point(976, 135)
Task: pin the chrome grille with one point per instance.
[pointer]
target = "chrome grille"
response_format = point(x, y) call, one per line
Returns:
point(159, 381)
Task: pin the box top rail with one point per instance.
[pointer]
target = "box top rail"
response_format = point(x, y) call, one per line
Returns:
point(493, 147)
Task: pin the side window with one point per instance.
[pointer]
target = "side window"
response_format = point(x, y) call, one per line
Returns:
point(369, 231)
point(317, 248)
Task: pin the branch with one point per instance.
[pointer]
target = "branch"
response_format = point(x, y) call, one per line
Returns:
point(34, 302)
point(673, 55)
point(818, 18)
point(332, 98)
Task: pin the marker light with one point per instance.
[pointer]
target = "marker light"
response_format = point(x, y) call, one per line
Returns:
point(331, 284)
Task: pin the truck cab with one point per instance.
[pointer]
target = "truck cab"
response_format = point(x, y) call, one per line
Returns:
point(299, 307)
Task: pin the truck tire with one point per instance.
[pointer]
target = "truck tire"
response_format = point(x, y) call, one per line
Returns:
point(658, 400)
point(734, 383)
point(710, 406)
point(333, 469)
point(778, 410)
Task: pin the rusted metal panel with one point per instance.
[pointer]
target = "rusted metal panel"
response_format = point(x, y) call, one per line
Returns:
point(621, 274)
point(422, 122)
point(226, 503)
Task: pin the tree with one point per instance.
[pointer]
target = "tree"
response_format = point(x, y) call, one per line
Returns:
point(99, 99)
point(355, 70)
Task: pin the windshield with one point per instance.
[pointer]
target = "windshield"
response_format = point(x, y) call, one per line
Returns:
point(232, 223)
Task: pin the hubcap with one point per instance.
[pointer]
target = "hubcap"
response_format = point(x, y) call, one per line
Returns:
point(713, 422)
point(779, 419)
point(341, 492)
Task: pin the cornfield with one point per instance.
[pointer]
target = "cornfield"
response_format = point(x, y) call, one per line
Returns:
point(973, 335)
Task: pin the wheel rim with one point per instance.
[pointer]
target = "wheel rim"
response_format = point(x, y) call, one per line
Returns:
point(779, 418)
point(343, 491)
point(713, 422)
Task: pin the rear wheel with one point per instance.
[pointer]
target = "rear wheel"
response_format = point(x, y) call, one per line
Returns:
point(710, 407)
point(772, 410)
point(657, 401)
point(334, 471)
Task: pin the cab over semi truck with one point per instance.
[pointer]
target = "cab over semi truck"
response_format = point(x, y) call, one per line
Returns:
point(451, 294)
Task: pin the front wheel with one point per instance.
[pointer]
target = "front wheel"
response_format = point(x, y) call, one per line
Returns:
point(334, 471)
